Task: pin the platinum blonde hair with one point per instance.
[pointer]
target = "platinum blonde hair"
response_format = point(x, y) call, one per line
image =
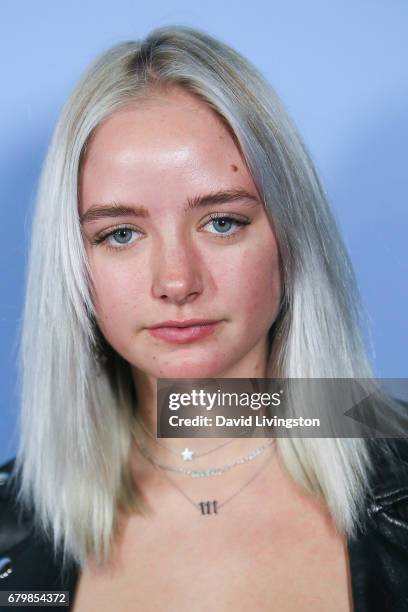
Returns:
point(76, 414)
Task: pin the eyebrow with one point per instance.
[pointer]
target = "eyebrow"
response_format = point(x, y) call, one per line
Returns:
point(123, 209)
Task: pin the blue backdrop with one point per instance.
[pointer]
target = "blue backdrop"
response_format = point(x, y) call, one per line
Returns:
point(340, 67)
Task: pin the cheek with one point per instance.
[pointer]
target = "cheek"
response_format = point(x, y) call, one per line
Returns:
point(255, 284)
point(118, 290)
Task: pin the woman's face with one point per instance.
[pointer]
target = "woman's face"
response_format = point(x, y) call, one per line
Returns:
point(169, 165)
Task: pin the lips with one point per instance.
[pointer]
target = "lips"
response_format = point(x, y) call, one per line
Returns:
point(185, 323)
point(187, 333)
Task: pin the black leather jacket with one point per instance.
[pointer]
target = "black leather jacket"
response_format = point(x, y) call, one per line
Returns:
point(378, 555)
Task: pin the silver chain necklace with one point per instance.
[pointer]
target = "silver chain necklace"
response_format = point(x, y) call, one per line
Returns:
point(218, 471)
point(210, 507)
point(187, 454)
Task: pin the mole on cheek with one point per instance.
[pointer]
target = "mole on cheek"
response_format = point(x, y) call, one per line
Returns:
point(234, 168)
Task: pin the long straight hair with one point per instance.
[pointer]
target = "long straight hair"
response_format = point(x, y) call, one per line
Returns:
point(77, 411)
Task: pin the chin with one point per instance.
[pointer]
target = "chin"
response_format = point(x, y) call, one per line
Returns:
point(188, 369)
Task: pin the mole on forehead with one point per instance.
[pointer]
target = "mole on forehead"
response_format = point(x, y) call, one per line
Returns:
point(234, 168)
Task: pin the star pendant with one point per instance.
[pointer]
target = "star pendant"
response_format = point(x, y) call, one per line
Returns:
point(187, 454)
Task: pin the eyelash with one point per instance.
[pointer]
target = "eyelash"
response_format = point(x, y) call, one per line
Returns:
point(214, 216)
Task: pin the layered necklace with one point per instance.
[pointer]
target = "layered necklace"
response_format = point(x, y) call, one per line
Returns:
point(205, 507)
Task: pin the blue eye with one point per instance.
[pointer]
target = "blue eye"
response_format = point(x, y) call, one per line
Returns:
point(121, 237)
point(224, 224)
point(118, 234)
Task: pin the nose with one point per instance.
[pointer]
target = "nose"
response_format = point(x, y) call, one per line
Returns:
point(177, 275)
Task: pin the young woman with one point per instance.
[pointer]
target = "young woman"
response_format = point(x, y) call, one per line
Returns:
point(177, 193)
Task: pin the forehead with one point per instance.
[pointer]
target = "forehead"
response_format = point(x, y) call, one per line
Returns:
point(163, 121)
point(171, 142)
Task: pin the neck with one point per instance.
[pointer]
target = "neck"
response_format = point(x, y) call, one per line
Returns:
point(168, 450)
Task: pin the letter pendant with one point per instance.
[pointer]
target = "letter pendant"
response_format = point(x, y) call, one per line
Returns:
point(208, 507)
